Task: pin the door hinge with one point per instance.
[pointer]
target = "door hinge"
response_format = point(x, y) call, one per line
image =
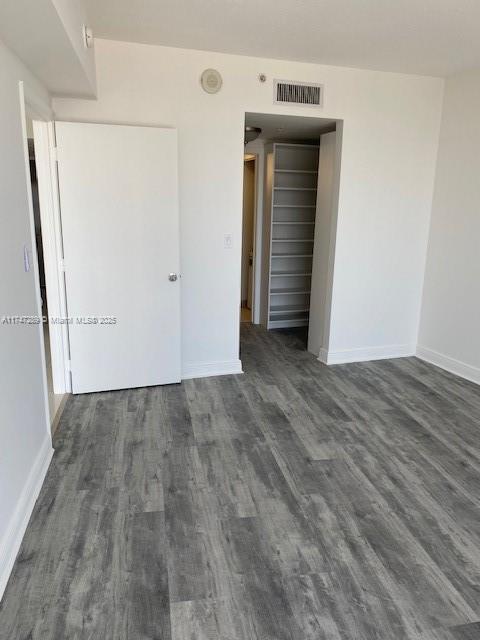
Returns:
point(61, 264)
point(54, 154)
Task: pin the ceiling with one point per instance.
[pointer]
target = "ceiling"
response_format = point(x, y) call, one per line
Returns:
point(289, 128)
point(428, 37)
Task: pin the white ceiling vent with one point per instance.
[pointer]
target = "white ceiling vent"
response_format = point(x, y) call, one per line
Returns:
point(288, 92)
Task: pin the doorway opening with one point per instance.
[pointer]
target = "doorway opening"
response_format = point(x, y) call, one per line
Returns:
point(55, 399)
point(296, 203)
point(248, 237)
point(43, 254)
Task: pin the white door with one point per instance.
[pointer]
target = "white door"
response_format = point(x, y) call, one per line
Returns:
point(119, 210)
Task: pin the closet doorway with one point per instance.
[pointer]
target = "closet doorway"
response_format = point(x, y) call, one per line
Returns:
point(248, 237)
point(295, 225)
point(54, 399)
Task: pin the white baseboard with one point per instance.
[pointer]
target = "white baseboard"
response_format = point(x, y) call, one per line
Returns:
point(323, 355)
point(452, 365)
point(207, 369)
point(10, 544)
point(365, 354)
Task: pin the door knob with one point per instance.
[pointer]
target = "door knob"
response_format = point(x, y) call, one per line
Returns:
point(172, 277)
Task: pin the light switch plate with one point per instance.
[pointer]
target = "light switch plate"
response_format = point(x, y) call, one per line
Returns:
point(228, 241)
point(26, 258)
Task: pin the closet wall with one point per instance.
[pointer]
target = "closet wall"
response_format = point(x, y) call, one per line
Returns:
point(324, 245)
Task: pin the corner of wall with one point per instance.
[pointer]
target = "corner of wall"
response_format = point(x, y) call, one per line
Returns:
point(451, 365)
point(73, 16)
point(430, 217)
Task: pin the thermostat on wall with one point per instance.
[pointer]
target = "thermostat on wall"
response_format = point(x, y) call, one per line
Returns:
point(211, 81)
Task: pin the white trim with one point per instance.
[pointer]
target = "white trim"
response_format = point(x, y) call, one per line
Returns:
point(44, 138)
point(44, 135)
point(258, 230)
point(23, 92)
point(207, 369)
point(254, 311)
point(452, 365)
point(323, 355)
point(364, 354)
point(10, 544)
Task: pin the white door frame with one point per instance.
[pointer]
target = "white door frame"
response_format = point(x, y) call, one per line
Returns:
point(44, 137)
point(257, 149)
point(254, 234)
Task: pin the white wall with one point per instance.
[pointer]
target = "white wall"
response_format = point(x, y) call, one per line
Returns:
point(324, 245)
point(25, 445)
point(449, 331)
point(390, 135)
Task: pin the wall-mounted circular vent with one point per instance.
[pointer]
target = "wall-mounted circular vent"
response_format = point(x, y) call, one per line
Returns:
point(211, 81)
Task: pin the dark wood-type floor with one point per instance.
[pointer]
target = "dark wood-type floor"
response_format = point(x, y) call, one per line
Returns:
point(295, 502)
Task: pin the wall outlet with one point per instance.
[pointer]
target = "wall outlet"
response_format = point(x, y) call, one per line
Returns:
point(227, 241)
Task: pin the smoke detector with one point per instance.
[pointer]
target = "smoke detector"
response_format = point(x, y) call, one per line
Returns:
point(211, 81)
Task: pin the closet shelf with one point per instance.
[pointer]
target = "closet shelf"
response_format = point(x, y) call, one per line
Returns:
point(295, 206)
point(288, 308)
point(282, 322)
point(289, 240)
point(288, 274)
point(294, 189)
point(290, 291)
point(293, 181)
point(292, 255)
point(308, 171)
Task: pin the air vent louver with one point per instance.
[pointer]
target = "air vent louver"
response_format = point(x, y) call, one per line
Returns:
point(298, 93)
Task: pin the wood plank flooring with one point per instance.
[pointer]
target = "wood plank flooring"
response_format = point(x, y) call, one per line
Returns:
point(295, 502)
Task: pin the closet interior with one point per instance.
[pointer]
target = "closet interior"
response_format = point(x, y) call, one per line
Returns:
point(292, 198)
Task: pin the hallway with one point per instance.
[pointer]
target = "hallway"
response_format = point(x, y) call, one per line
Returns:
point(294, 502)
